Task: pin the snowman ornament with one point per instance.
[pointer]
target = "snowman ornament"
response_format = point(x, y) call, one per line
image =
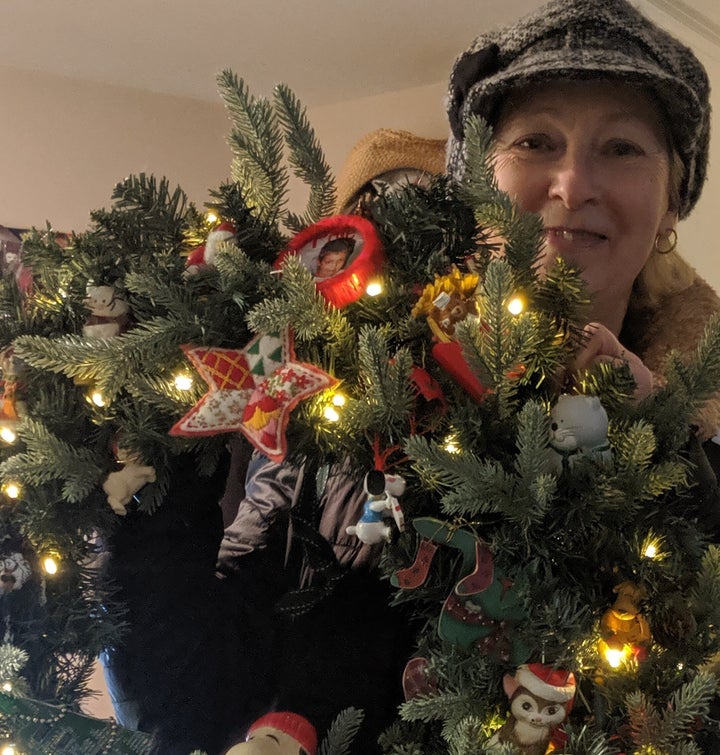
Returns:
point(281, 733)
point(109, 312)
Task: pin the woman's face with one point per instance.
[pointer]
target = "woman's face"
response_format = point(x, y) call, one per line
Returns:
point(591, 158)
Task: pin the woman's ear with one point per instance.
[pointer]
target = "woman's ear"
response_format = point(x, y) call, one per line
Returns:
point(668, 223)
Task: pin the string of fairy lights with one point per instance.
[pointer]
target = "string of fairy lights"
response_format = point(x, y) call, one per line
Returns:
point(618, 655)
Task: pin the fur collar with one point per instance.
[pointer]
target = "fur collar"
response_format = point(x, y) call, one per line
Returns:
point(676, 323)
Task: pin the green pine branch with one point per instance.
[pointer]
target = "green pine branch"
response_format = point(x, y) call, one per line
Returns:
point(587, 741)
point(306, 158)
point(704, 602)
point(689, 383)
point(561, 294)
point(12, 659)
point(670, 730)
point(256, 143)
point(506, 350)
point(638, 475)
point(258, 237)
point(48, 458)
point(423, 230)
point(298, 303)
point(535, 487)
point(385, 396)
point(468, 486)
point(341, 733)
point(144, 229)
point(466, 735)
point(522, 232)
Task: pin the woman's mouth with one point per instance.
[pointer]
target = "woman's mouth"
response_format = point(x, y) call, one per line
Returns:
point(570, 239)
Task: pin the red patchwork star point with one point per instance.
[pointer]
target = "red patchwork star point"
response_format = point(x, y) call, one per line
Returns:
point(251, 390)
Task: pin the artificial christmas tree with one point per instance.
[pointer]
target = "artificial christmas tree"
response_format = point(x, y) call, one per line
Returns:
point(511, 543)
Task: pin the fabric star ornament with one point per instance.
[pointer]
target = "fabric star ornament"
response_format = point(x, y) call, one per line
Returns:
point(251, 390)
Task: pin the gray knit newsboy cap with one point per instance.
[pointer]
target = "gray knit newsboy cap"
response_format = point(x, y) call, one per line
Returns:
point(586, 39)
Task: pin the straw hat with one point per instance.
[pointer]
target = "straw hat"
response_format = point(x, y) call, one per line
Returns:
point(382, 151)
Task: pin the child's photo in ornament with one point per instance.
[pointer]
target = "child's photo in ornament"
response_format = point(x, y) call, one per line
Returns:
point(342, 252)
point(333, 256)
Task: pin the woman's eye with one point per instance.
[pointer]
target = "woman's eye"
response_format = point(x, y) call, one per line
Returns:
point(622, 148)
point(533, 142)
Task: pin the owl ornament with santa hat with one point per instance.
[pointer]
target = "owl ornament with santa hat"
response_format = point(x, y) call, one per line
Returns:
point(540, 700)
point(281, 733)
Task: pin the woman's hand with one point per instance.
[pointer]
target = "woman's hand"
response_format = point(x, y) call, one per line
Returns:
point(600, 345)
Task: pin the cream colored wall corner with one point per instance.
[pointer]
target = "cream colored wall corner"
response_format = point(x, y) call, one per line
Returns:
point(698, 235)
point(65, 143)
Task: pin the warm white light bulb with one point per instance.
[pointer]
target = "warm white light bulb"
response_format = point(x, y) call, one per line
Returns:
point(451, 446)
point(614, 657)
point(7, 687)
point(7, 434)
point(97, 398)
point(183, 382)
point(12, 490)
point(211, 218)
point(50, 565)
point(338, 399)
point(515, 305)
point(331, 414)
point(374, 288)
point(9, 750)
point(651, 550)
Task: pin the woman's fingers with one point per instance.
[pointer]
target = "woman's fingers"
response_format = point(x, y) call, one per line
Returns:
point(600, 345)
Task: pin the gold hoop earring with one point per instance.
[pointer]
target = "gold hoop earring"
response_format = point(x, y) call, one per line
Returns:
point(666, 243)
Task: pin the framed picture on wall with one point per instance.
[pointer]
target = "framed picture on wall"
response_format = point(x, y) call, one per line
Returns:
point(10, 250)
point(11, 257)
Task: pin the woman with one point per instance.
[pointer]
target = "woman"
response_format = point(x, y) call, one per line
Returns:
point(601, 125)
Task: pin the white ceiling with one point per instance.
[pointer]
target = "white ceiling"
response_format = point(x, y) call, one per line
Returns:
point(325, 50)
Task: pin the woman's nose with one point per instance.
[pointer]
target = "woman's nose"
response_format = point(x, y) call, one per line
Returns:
point(573, 181)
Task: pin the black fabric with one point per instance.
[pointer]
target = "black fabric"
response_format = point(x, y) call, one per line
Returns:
point(204, 656)
point(706, 461)
point(348, 651)
point(184, 662)
point(468, 69)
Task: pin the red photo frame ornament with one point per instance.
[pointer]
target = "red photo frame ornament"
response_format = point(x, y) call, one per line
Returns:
point(343, 252)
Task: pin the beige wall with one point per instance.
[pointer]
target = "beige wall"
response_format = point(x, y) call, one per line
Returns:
point(65, 143)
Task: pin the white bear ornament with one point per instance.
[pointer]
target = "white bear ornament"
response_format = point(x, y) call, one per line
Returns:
point(579, 427)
